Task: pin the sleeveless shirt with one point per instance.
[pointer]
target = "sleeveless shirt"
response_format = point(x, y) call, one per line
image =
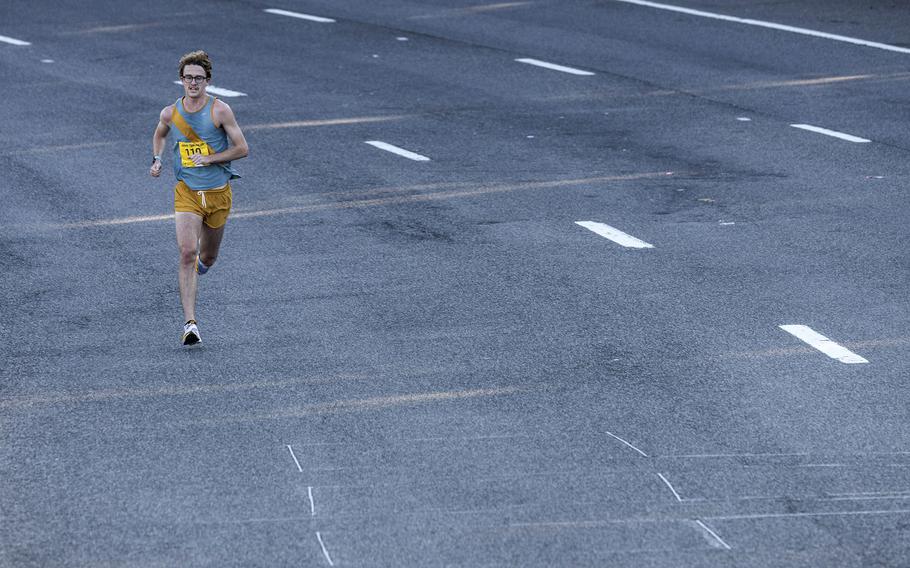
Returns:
point(202, 122)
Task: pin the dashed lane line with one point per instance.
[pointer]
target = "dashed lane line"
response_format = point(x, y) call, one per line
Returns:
point(325, 551)
point(290, 449)
point(833, 133)
point(553, 66)
point(627, 443)
point(614, 234)
point(396, 150)
point(13, 41)
point(716, 541)
point(823, 344)
point(300, 16)
point(668, 484)
point(771, 25)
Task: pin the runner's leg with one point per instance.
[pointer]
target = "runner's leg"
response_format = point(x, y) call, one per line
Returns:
point(189, 228)
point(209, 244)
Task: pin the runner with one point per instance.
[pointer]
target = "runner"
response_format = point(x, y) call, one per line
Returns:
point(202, 165)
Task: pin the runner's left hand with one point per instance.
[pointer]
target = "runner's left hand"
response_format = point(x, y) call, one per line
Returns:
point(200, 160)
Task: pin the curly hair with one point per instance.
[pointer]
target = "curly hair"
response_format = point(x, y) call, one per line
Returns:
point(199, 58)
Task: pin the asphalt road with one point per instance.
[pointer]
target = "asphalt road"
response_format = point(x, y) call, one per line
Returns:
point(432, 363)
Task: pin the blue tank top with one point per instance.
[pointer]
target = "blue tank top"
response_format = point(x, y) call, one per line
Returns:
point(202, 122)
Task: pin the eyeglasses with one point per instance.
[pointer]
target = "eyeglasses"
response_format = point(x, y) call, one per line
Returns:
point(194, 79)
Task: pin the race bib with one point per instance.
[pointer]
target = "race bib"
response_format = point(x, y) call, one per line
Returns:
point(187, 149)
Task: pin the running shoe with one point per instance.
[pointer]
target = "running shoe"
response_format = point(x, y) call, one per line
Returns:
point(200, 268)
point(191, 333)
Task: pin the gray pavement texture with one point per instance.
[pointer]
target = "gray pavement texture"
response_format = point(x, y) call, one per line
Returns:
point(430, 363)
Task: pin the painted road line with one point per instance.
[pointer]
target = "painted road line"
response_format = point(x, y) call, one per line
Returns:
point(325, 552)
point(553, 66)
point(819, 514)
point(290, 449)
point(823, 344)
point(298, 15)
point(614, 235)
point(627, 443)
point(771, 25)
point(219, 91)
point(667, 482)
point(13, 41)
point(396, 150)
point(717, 541)
point(309, 491)
point(448, 190)
point(834, 133)
point(325, 122)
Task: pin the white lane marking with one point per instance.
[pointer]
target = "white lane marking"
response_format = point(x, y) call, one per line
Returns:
point(458, 190)
point(219, 91)
point(743, 119)
point(823, 344)
point(396, 150)
point(869, 494)
point(627, 443)
point(614, 235)
point(324, 551)
point(309, 17)
point(553, 66)
point(309, 491)
point(834, 133)
point(47, 61)
point(667, 482)
point(717, 540)
point(870, 497)
point(325, 122)
point(828, 514)
point(771, 25)
point(290, 449)
point(13, 41)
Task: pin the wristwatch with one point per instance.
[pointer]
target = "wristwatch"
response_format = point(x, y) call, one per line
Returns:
point(155, 158)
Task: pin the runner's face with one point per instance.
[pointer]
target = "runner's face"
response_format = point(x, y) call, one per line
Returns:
point(194, 87)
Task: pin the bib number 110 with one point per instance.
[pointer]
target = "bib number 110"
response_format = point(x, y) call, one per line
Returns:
point(187, 149)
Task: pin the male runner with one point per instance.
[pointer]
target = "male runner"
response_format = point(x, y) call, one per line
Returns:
point(202, 166)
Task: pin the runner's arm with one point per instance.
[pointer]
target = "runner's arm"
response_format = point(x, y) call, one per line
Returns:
point(159, 138)
point(238, 148)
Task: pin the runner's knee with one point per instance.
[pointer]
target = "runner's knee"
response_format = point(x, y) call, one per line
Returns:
point(187, 254)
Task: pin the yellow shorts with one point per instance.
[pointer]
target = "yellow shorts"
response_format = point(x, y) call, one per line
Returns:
point(212, 205)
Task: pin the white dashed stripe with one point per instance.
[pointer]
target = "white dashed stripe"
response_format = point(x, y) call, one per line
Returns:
point(396, 150)
point(300, 16)
point(325, 551)
point(614, 235)
point(13, 41)
point(553, 66)
point(834, 133)
point(290, 449)
point(823, 344)
point(717, 542)
point(771, 25)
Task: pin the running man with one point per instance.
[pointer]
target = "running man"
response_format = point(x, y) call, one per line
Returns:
point(202, 165)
